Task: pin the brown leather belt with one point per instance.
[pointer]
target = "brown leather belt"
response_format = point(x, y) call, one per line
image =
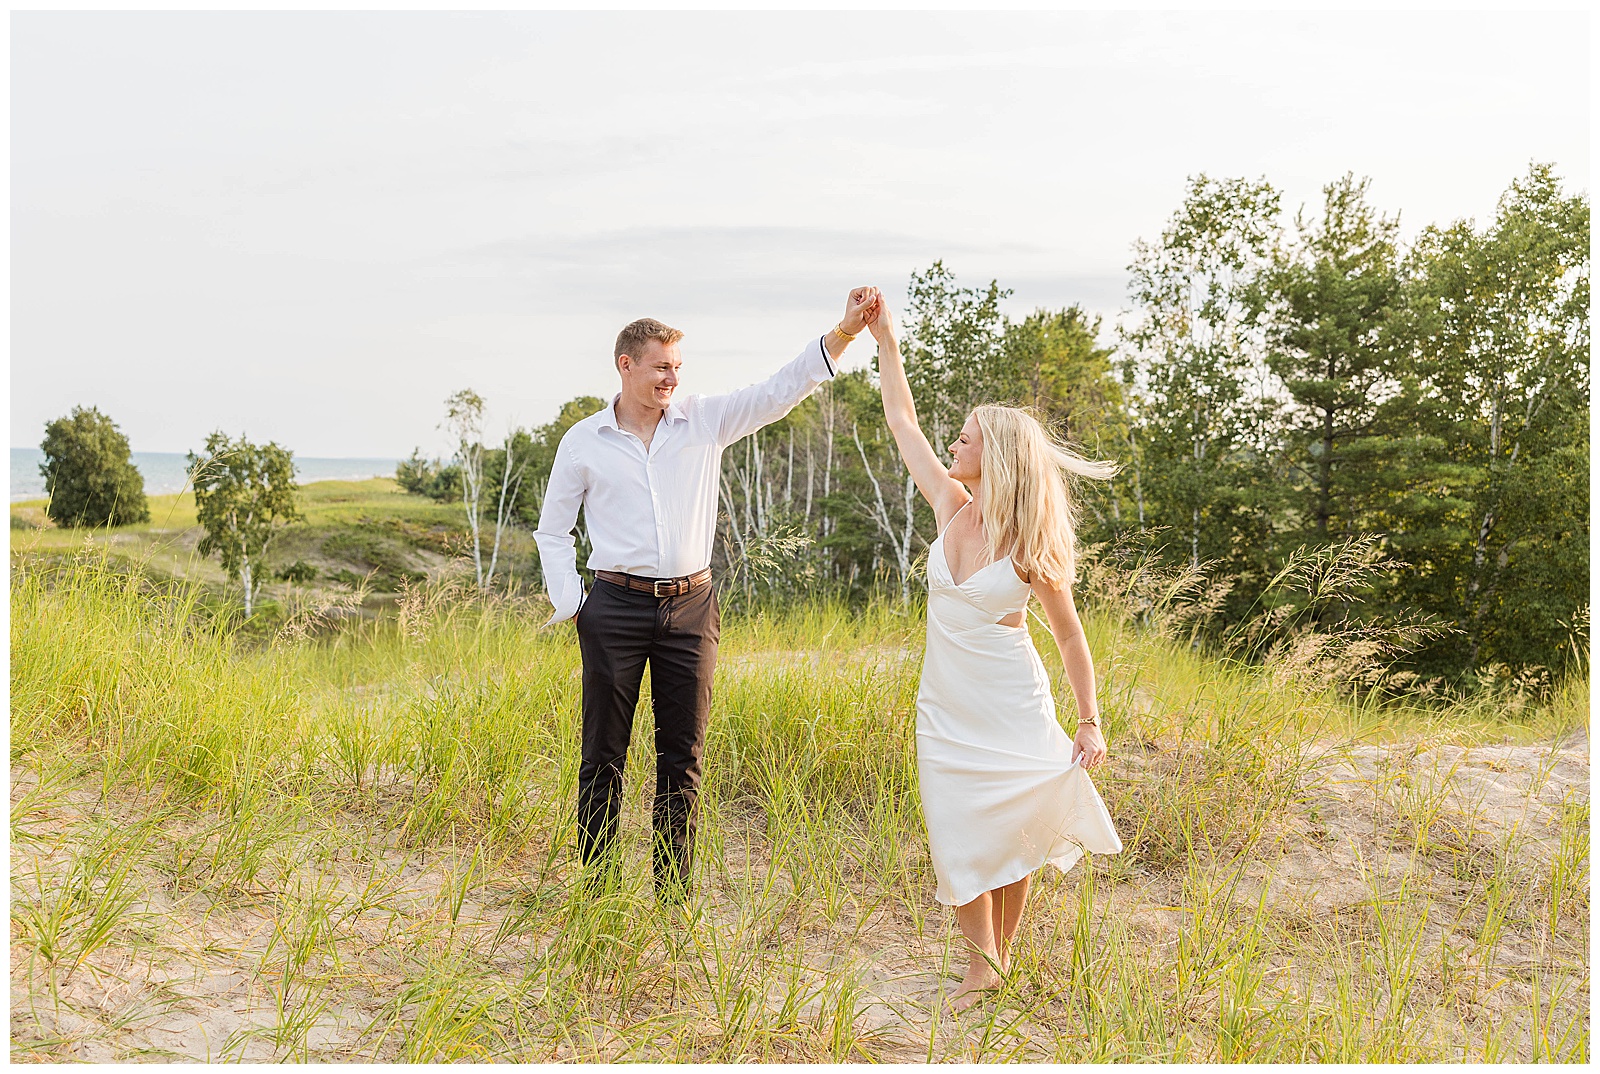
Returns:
point(657, 587)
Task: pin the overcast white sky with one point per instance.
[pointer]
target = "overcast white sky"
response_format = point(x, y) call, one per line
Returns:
point(313, 227)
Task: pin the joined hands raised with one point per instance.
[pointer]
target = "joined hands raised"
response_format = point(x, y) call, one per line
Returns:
point(880, 320)
point(856, 307)
point(865, 308)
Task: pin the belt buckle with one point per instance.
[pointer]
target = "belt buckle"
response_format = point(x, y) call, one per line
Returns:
point(657, 584)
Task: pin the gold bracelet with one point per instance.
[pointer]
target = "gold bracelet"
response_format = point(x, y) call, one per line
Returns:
point(1092, 723)
point(846, 336)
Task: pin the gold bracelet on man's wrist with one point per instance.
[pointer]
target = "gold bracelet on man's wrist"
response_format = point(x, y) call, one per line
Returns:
point(846, 336)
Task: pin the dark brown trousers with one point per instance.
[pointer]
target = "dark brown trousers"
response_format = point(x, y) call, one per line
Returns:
point(619, 629)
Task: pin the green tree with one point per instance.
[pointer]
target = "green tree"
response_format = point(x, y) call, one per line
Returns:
point(243, 493)
point(1497, 380)
point(884, 517)
point(1202, 415)
point(87, 472)
point(493, 480)
point(954, 348)
point(428, 477)
point(1055, 363)
point(504, 497)
point(1327, 303)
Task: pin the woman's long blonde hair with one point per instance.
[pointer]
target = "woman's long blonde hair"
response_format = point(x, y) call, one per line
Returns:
point(1028, 508)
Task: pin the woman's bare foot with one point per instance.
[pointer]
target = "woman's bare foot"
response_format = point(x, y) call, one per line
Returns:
point(979, 979)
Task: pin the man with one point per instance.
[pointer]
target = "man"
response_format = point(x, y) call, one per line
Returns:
point(646, 470)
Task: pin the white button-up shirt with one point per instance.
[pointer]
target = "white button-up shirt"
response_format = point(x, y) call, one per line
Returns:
point(653, 512)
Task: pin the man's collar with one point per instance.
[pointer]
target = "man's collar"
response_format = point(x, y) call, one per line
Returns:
point(675, 411)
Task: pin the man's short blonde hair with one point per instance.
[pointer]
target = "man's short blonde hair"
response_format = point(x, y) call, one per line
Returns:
point(631, 340)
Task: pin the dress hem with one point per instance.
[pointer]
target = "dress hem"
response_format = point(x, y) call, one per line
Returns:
point(1083, 852)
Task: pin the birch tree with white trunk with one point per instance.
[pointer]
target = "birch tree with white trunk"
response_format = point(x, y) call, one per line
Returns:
point(243, 494)
point(511, 475)
point(899, 526)
point(464, 421)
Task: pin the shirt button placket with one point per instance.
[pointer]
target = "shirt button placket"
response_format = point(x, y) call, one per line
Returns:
point(655, 511)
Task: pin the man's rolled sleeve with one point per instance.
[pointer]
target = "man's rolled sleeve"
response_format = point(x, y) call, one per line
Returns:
point(558, 557)
point(742, 412)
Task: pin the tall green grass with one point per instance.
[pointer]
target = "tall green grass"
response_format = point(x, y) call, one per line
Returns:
point(392, 801)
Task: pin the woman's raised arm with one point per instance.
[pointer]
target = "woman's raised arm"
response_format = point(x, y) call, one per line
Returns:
point(944, 494)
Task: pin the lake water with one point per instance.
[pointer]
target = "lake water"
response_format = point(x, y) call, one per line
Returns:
point(167, 472)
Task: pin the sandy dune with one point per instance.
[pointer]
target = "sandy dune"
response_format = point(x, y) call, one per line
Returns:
point(186, 976)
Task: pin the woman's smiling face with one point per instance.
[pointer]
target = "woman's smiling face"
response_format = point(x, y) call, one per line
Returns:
point(966, 452)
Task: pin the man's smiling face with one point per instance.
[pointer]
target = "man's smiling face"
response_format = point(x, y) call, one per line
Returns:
point(649, 379)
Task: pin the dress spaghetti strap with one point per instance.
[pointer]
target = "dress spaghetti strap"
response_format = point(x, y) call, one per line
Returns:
point(960, 509)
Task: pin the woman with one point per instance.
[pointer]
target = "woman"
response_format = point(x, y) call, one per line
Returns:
point(1003, 789)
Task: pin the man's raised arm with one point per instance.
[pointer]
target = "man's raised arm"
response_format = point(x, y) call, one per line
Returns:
point(742, 412)
point(558, 557)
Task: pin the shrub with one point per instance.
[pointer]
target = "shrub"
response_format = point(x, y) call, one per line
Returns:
point(88, 474)
point(429, 477)
point(388, 564)
point(299, 571)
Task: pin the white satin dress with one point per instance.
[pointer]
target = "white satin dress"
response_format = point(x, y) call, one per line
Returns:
point(1002, 790)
